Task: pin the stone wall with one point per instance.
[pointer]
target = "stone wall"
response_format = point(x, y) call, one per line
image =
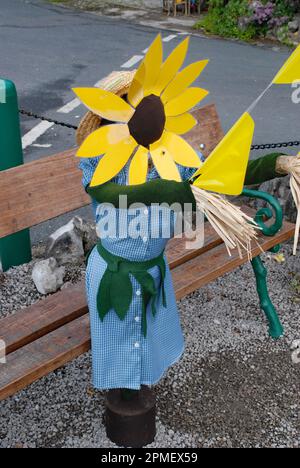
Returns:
point(142, 3)
point(134, 3)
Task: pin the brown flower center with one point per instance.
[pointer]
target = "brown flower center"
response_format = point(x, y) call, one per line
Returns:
point(148, 122)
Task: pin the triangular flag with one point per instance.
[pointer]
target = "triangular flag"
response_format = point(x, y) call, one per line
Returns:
point(225, 169)
point(290, 71)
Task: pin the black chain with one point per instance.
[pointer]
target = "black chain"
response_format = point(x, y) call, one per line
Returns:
point(40, 117)
point(275, 145)
point(288, 144)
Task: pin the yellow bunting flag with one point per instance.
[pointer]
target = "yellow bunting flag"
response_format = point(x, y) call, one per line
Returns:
point(290, 71)
point(224, 170)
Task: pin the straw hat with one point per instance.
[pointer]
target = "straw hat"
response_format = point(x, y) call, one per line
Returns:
point(118, 82)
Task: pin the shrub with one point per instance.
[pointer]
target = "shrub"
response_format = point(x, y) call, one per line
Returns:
point(223, 19)
point(247, 19)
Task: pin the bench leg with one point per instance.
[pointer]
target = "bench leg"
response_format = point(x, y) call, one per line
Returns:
point(276, 328)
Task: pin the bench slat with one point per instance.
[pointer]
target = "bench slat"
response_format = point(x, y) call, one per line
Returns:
point(39, 191)
point(43, 317)
point(177, 253)
point(209, 130)
point(37, 359)
point(198, 272)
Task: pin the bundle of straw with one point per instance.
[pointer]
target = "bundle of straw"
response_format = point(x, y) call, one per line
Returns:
point(291, 165)
point(235, 228)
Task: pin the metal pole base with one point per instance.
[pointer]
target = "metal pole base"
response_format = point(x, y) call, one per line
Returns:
point(131, 422)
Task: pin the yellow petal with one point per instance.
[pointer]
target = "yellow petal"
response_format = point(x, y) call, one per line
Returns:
point(105, 104)
point(164, 163)
point(98, 142)
point(136, 92)
point(180, 124)
point(139, 167)
point(183, 80)
point(186, 101)
point(171, 66)
point(225, 169)
point(179, 150)
point(113, 161)
point(290, 71)
point(153, 61)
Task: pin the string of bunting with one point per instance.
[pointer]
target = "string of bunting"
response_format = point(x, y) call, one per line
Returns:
point(256, 147)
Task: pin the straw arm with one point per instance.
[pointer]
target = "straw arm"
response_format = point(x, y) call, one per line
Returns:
point(291, 165)
point(236, 229)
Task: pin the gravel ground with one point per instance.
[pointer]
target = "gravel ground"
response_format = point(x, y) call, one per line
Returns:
point(234, 387)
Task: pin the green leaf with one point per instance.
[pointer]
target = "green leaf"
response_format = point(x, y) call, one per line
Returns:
point(121, 293)
point(103, 296)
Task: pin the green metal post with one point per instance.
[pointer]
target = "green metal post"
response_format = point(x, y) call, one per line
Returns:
point(16, 248)
point(275, 326)
point(263, 215)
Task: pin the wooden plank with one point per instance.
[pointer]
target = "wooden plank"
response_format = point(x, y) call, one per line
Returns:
point(43, 317)
point(39, 191)
point(200, 271)
point(37, 359)
point(208, 131)
point(43, 189)
point(177, 253)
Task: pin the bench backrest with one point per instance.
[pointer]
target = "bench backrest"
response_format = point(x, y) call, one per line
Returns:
point(41, 190)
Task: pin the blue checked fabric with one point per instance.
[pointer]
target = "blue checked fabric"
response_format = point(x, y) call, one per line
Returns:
point(121, 356)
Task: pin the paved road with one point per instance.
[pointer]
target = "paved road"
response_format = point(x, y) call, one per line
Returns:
point(47, 49)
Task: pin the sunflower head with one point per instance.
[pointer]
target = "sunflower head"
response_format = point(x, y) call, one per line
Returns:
point(148, 124)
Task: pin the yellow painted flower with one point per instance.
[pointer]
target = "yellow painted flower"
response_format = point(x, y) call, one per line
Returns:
point(150, 123)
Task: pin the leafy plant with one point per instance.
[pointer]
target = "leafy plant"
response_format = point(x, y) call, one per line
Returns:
point(266, 17)
point(247, 19)
point(283, 35)
point(286, 7)
point(223, 19)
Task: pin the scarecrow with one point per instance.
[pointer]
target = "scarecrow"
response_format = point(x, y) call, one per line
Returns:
point(131, 146)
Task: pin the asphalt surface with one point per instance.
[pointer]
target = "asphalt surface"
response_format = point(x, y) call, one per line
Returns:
point(47, 49)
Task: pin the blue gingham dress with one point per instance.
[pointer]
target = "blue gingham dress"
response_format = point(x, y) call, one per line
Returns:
point(121, 356)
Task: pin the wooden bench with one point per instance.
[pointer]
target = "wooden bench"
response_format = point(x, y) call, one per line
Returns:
point(55, 330)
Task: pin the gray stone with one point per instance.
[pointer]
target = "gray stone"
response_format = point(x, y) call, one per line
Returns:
point(254, 4)
point(271, 36)
point(243, 23)
point(98, 4)
point(280, 189)
point(89, 236)
point(293, 26)
point(47, 276)
point(70, 242)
